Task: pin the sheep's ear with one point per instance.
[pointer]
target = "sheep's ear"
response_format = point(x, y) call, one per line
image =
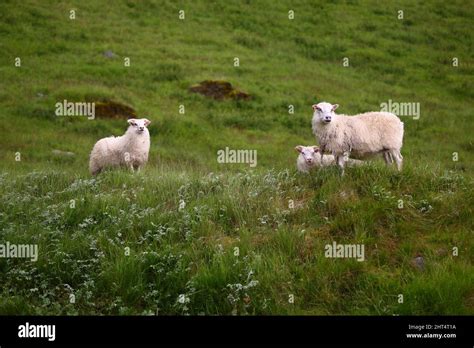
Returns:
point(334, 107)
point(132, 121)
point(299, 148)
point(147, 122)
point(315, 106)
point(316, 148)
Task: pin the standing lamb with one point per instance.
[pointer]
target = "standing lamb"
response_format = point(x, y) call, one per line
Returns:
point(309, 158)
point(129, 150)
point(363, 135)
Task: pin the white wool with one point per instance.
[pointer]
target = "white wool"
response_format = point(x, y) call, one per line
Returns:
point(362, 135)
point(129, 150)
point(309, 158)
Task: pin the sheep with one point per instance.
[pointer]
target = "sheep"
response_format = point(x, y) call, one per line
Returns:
point(129, 150)
point(309, 158)
point(363, 135)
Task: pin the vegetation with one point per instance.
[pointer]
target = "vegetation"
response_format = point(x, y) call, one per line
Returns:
point(189, 235)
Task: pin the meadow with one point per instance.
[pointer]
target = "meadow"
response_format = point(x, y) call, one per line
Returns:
point(188, 235)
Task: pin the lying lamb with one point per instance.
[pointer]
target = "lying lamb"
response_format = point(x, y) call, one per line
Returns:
point(362, 135)
point(309, 158)
point(129, 150)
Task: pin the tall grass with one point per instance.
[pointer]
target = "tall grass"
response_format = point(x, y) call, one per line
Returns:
point(245, 241)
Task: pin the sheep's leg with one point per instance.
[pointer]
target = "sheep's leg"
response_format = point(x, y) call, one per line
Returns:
point(340, 160)
point(398, 158)
point(400, 161)
point(322, 149)
point(346, 156)
point(388, 158)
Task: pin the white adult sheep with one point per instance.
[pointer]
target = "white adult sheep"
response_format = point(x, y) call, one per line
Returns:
point(309, 158)
point(129, 150)
point(362, 135)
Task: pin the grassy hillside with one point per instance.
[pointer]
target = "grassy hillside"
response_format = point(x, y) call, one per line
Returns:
point(249, 240)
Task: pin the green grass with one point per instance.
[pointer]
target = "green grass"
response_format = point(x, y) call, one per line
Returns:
point(237, 247)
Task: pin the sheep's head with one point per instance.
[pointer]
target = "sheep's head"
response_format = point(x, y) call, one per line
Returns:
point(308, 153)
point(139, 124)
point(324, 111)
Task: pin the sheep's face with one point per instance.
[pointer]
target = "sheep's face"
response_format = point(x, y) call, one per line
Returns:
point(308, 153)
point(139, 124)
point(324, 112)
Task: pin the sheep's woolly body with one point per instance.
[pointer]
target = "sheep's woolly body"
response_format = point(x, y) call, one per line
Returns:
point(129, 150)
point(304, 167)
point(327, 160)
point(361, 135)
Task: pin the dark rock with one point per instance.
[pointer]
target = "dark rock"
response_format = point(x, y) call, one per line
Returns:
point(419, 263)
point(219, 90)
point(111, 109)
point(109, 54)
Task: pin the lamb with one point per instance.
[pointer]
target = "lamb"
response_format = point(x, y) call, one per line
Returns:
point(309, 158)
point(363, 135)
point(129, 150)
